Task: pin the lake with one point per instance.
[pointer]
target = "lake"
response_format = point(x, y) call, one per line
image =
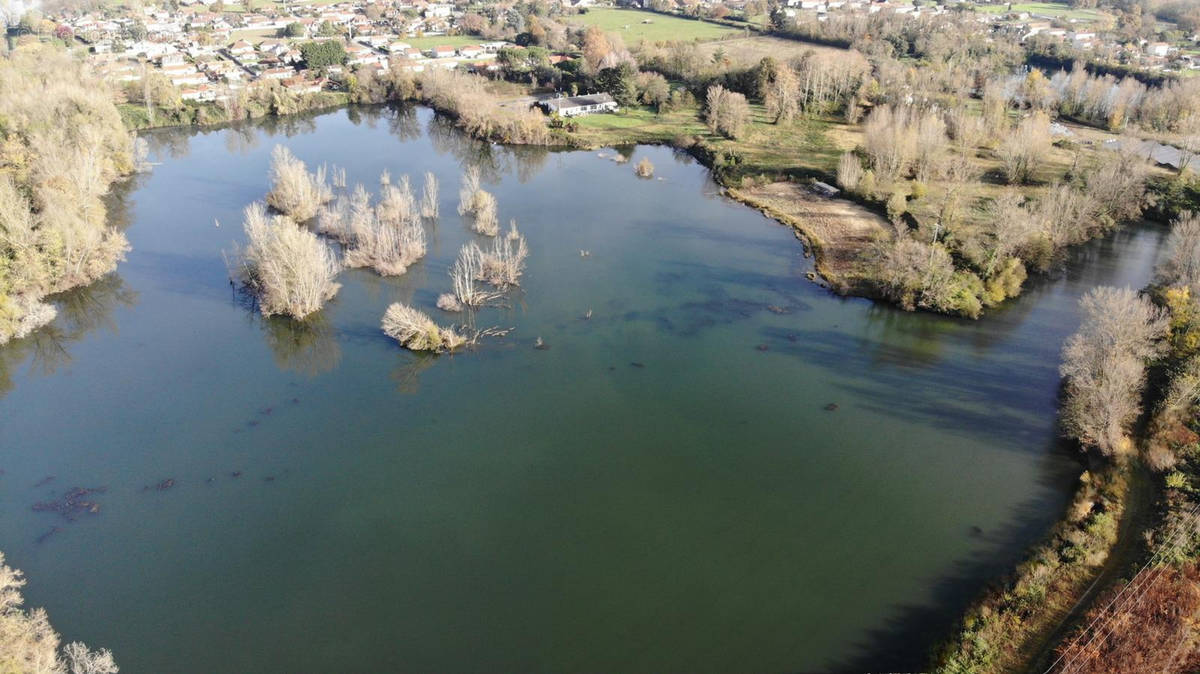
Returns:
point(663, 489)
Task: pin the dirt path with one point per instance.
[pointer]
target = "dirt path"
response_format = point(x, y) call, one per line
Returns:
point(1138, 515)
point(840, 232)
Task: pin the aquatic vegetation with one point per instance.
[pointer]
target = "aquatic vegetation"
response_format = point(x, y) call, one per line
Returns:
point(72, 503)
point(387, 237)
point(29, 644)
point(288, 269)
point(429, 196)
point(503, 265)
point(467, 269)
point(449, 302)
point(478, 203)
point(417, 332)
point(294, 191)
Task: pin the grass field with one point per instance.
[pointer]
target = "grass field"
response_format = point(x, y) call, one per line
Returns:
point(629, 24)
point(805, 148)
point(439, 40)
point(747, 51)
point(1046, 9)
point(253, 36)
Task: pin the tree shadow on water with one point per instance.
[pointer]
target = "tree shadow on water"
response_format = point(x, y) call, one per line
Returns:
point(988, 399)
point(907, 639)
point(80, 311)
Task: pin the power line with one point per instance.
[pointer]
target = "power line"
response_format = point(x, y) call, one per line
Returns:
point(1142, 583)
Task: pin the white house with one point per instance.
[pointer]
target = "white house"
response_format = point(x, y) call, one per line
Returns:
point(574, 106)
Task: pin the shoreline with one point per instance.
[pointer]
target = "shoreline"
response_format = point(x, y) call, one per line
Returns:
point(841, 285)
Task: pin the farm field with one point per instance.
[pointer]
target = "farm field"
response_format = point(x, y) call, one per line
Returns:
point(635, 26)
point(747, 51)
point(427, 41)
point(1055, 9)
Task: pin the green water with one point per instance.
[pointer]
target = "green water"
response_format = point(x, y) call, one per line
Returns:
point(511, 509)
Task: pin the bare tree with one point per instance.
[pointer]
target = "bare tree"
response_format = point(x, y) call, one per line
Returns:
point(1104, 364)
point(417, 331)
point(28, 644)
point(890, 141)
point(478, 204)
point(294, 191)
point(1024, 148)
point(429, 196)
point(849, 171)
point(288, 268)
point(1181, 265)
point(783, 95)
point(503, 265)
point(727, 112)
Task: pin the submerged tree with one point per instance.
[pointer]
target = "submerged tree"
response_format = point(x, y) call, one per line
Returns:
point(417, 332)
point(429, 196)
point(288, 268)
point(295, 192)
point(478, 203)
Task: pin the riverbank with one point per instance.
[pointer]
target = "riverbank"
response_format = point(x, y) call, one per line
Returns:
point(838, 232)
point(1087, 599)
point(1008, 627)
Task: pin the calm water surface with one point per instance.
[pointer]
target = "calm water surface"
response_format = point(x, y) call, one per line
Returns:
point(661, 490)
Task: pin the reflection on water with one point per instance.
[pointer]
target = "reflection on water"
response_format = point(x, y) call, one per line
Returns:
point(666, 488)
point(308, 347)
point(80, 311)
point(407, 374)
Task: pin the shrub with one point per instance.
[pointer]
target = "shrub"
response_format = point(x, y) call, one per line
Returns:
point(295, 192)
point(22, 314)
point(287, 268)
point(449, 302)
point(416, 331)
point(849, 172)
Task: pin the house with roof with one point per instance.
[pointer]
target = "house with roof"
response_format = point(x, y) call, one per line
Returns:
point(1159, 49)
point(239, 48)
point(442, 51)
point(575, 106)
point(277, 73)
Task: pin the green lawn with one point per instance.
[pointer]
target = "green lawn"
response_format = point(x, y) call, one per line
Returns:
point(806, 147)
point(1046, 9)
point(438, 40)
point(628, 23)
point(253, 36)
